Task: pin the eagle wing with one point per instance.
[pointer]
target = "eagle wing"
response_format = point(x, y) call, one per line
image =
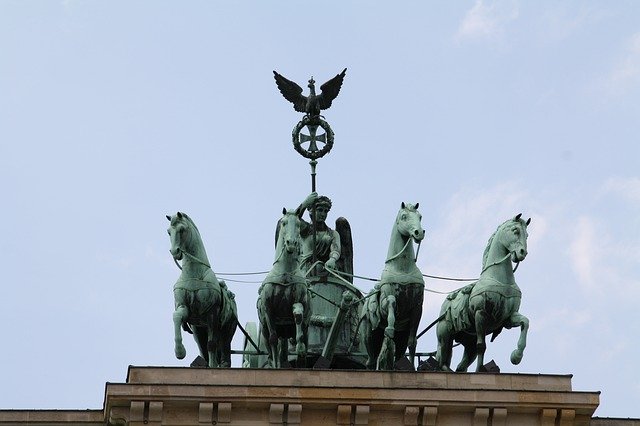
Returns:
point(330, 90)
point(292, 92)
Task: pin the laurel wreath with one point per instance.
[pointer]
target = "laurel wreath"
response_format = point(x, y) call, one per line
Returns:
point(297, 145)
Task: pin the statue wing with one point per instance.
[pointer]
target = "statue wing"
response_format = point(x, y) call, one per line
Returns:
point(345, 263)
point(330, 90)
point(292, 92)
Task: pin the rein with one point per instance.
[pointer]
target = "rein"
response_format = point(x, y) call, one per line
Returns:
point(497, 262)
point(192, 257)
point(395, 256)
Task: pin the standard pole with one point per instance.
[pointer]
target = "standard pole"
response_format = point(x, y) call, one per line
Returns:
point(313, 164)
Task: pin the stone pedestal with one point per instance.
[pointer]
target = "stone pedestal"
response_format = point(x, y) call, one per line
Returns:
point(194, 396)
point(184, 396)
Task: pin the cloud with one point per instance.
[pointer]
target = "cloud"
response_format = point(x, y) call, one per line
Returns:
point(606, 265)
point(583, 251)
point(628, 188)
point(470, 217)
point(486, 20)
point(562, 21)
point(570, 317)
point(626, 73)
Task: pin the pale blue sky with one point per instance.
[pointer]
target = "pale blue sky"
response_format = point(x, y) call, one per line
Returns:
point(113, 114)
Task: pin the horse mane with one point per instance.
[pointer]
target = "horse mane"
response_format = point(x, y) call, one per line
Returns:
point(485, 255)
point(191, 223)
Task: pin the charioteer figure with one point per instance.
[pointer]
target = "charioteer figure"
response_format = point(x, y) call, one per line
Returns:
point(328, 247)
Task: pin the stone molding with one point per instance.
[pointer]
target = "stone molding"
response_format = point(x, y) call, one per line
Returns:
point(193, 396)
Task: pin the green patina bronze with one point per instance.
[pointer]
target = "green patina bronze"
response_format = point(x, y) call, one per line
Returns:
point(311, 105)
point(488, 305)
point(204, 306)
point(328, 263)
point(321, 264)
point(326, 247)
point(310, 312)
point(391, 314)
point(283, 298)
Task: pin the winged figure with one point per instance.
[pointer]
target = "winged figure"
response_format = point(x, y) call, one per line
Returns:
point(312, 104)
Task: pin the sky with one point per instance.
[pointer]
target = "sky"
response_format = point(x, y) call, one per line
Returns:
point(115, 114)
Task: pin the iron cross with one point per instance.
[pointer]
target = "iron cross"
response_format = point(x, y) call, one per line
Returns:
point(312, 138)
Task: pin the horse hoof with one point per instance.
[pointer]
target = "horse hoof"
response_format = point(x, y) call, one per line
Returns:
point(181, 352)
point(516, 357)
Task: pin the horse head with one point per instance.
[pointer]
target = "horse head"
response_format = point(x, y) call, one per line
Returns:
point(513, 236)
point(180, 234)
point(408, 222)
point(289, 232)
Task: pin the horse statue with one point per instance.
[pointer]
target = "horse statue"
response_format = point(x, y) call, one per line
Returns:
point(204, 305)
point(283, 298)
point(392, 311)
point(489, 304)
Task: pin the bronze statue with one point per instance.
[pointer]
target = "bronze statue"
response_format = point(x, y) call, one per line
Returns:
point(333, 248)
point(204, 306)
point(391, 314)
point(313, 104)
point(283, 299)
point(488, 305)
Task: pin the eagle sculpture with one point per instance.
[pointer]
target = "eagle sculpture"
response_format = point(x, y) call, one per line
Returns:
point(313, 104)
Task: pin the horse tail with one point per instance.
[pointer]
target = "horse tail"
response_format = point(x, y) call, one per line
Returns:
point(371, 310)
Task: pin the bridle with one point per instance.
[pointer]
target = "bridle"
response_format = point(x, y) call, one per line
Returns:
point(395, 256)
point(191, 256)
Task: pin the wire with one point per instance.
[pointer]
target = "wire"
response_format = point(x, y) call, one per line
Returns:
point(241, 281)
point(435, 277)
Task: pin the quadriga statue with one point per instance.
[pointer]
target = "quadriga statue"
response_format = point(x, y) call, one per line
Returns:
point(204, 306)
point(488, 305)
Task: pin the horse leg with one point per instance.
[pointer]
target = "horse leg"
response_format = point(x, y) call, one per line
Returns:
point(301, 349)
point(416, 314)
point(481, 345)
point(200, 335)
point(180, 316)
point(390, 303)
point(271, 337)
point(470, 353)
point(517, 319)
point(444, 331)
point(231, 324)
point(266, 333)
point(366, 334)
